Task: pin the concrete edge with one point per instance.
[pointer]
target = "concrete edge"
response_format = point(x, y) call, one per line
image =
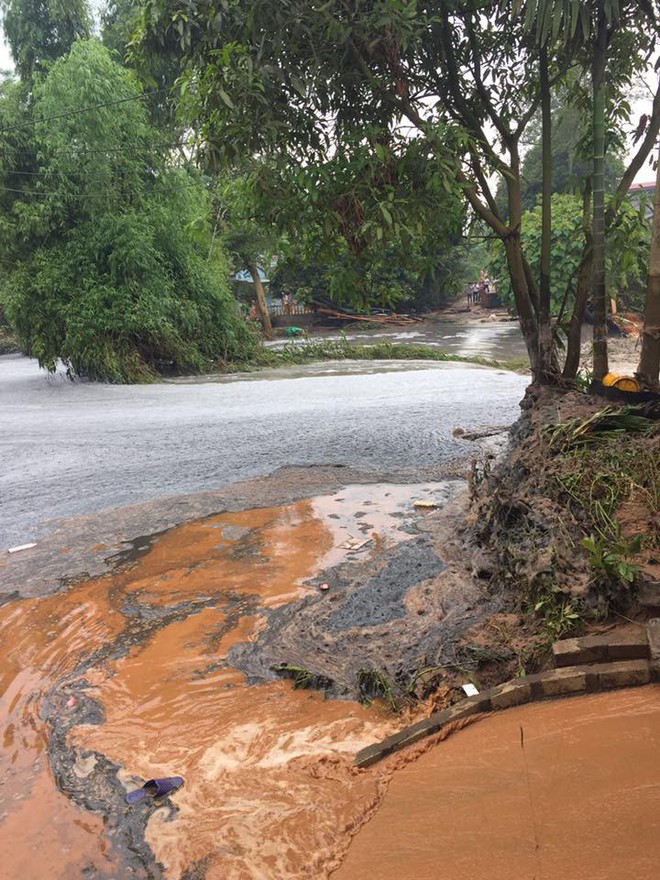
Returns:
point(563, 682)
point(602, 648)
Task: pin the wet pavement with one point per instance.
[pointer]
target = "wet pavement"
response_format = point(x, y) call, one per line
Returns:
point(569, 788)
point(77, 448)
point(145, 671)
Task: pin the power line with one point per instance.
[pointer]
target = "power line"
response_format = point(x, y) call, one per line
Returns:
point(76, 153)
point(66, 174)
point(104, 151)
point(81, 110)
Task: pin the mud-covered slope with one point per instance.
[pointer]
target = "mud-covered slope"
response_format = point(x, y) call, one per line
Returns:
point(552, 537)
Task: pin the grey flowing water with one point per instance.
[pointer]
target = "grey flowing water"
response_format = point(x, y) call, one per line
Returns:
point(490, 339)
point(71, 448)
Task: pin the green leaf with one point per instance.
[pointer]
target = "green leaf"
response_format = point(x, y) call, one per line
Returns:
point(224, 97)
point(299, 85)
point(387, 216)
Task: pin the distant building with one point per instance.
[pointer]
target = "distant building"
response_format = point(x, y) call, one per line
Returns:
point(646, 191)
point(244, 275)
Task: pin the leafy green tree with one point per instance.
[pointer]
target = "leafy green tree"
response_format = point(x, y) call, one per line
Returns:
point(41, 31)
point(572, 163)
point(627, 250)
point(330, 75)
point(462, 79)
point(104, 274)
point(596, 32)
point(649, 362)
point(247, 244)
point(158, 74)
point(414, 277)
point(357, 212)
point(239, 230)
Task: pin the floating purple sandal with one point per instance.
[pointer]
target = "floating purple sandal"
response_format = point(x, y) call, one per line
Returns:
point(155, 788)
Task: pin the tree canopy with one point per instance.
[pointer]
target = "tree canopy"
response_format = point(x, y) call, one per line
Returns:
point(104, 274)
point(41, 31)
point(307, 80)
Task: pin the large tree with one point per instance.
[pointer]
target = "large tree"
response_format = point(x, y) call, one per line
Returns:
point(158, 74)
point(41, 31)
point(383, 194)
point(571, 163)
point(649, 363)
point(603, 36)
point(104, 274)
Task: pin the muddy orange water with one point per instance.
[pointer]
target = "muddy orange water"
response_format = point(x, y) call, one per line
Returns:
point(270, 789)
point(578, 799)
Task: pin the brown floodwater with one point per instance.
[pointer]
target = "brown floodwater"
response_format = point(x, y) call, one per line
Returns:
point(270, 788)
point(577, 796)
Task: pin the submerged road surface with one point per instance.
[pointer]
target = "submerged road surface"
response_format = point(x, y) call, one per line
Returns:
point(69, 448)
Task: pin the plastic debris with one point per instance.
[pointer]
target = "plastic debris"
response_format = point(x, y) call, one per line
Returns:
point(21, 547)
point(622, 383)
point(470, 690)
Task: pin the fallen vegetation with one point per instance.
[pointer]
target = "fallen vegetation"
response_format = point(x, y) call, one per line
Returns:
point(340, 349)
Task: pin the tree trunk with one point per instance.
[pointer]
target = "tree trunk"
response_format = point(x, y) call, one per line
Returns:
point(526, 316)
point(518, 270)
point(546, 338)
point(582, 291)
point(649, 362)
point(261, 301)
point(599, 288)
point(532, 287)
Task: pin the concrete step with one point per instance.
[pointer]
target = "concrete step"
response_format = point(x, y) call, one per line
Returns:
point(648, 597)
point(602, 648)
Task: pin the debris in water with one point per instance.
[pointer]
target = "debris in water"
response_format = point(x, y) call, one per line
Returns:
point(21, 547)
point(470, 690)
point(425, 505)
point(355, 544)
point(324, 587)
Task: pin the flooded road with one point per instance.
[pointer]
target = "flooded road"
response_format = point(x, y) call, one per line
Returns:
point(112, 681)
point(577, 797)
point(491, 339)
point(127, 678)
point(76, 448)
